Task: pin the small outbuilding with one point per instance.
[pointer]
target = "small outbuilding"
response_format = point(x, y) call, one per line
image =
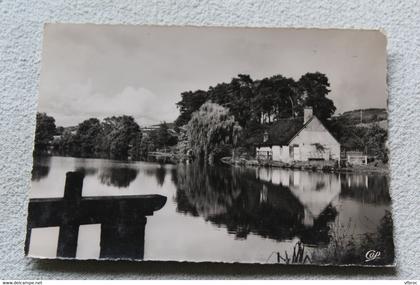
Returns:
point(298, 139)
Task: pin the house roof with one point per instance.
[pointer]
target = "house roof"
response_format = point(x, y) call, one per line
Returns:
point(281, 131)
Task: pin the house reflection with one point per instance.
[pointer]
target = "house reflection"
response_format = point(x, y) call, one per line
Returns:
point(264, 202)
point(122, 221)
point(365, 188)
point(357, 180)
point(316, 191)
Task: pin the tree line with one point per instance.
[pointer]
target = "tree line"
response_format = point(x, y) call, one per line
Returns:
point(225, 120)
point(262, 101)
point(116, 137)
point(228, 118)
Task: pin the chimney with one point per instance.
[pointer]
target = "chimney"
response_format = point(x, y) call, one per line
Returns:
point(307, 114)
point(265, 136)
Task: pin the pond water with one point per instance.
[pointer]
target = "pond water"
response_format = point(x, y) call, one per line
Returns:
point(220, 213)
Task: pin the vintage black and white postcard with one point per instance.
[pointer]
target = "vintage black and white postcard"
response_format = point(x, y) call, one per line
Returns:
point(251, 145)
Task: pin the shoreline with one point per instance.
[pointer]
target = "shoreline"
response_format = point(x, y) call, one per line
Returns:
point(304, 166)
point(327, 167)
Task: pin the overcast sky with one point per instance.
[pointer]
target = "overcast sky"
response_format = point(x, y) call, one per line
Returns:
point(103, 70)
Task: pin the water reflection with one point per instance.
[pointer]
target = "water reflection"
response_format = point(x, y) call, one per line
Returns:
point(315, 191)
point(41, 168)
point(122, 220)
point(87, 171)
point(252, 211)
point(158, 172)
point(366, 189)
point(118, 176)
point(244, 204)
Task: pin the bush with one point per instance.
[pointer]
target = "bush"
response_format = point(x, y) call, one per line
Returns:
point(221, 151)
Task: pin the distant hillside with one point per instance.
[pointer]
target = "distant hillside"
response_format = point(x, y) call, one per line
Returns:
point(382, 124)
point(364, 117)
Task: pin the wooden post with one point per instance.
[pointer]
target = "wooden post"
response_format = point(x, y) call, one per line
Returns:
point(122, 219)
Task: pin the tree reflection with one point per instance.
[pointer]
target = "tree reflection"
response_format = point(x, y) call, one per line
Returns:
point(160, 175)
point(346, 248)
point(234, 198)
point(366, 188)
point(39, 172)
point(120, 177)
point(40, 168)
point(174, 176)
point(87, 171)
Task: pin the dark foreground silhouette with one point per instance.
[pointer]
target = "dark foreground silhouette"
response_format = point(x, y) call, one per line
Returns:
point(122, 218)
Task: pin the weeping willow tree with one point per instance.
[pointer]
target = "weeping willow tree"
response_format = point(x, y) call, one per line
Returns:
point(210, 128)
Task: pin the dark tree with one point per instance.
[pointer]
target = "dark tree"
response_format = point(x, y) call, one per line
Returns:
point(164, 137)
point(190, 102)
point(256, 103)
point(119, 137)
point(59, 130)
point(136, 150)
point(44, 133)
point(315, 88)
point(275, 98)
point(68, 144)
point(146, 145)
point(375, 142)
point(348, 134)
point(88, 135)
point(240, 98)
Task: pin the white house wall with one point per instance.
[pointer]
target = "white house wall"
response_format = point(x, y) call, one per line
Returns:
point(276, 152)
point(316, 133)
point(285, 154)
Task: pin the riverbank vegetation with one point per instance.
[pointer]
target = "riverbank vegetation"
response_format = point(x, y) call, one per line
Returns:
point(113, 137)
point(258, 104)
point(347, 248)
